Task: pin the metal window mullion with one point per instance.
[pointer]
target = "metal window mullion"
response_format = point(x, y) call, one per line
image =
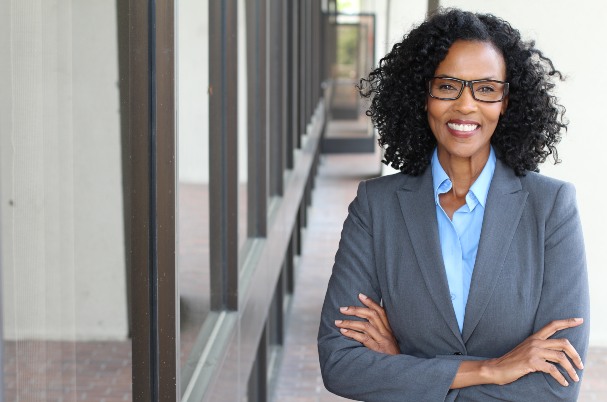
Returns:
point(152, 139)
point(319, 49)
point(310, 58)
point(288, 83)
point(166, 281)
point(296, 79)
point(256, 98)
point(276, 99)
point(304, 63)
point(139, 71)
point(315, 48)
point(302, 68)
point(223, 136)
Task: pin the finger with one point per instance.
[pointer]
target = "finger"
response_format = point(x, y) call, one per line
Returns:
point(551, 369)
point(361, 337)
point(557, 325)
point(368, 314)
point(559, 357)
point(367, 301)
point(360, 326)
point(565, 346)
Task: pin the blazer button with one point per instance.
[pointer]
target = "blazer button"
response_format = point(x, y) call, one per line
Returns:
point(458, 353)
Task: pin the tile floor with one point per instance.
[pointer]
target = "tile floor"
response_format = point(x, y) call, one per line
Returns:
point(299, 379)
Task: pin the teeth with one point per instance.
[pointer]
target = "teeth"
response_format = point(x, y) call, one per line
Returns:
point(462, 127)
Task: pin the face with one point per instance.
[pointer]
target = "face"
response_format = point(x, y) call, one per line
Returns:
point(463, 127)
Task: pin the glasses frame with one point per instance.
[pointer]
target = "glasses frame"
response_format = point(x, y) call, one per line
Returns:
point(469, 85)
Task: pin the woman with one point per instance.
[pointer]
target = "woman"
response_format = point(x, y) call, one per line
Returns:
point(478, 260)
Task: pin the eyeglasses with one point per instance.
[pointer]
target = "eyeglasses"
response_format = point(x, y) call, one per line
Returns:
point(449, 88)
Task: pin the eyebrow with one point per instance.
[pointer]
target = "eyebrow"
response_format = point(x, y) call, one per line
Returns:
point(491, 78)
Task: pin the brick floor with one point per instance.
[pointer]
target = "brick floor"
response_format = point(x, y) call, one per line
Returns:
point(299, 378)
point(51, 371)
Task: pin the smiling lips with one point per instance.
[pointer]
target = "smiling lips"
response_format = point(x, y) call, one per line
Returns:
point(462, 129)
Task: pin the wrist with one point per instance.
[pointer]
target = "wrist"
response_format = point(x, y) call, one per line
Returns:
point(473, 372)
point(489, 372)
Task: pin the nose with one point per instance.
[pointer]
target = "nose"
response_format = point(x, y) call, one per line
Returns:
point(466, 102)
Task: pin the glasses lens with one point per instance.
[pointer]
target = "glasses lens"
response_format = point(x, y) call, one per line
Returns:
point(445, 88)
point(489, 91)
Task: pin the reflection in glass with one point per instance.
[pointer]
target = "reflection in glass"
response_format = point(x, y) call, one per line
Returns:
point(62, 203)
point(243, 172)
point(193, 178)
point(352, 58)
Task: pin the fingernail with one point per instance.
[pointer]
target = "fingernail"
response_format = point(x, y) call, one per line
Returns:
point(337, 322)
point(576, 378)
point(343, 330)
point(566, 384)
point(362, 296)
point(343, 309)
point(581, 365)
point(578, 319)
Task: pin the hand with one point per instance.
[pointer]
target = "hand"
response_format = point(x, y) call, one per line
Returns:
point(375, 333)
point(537, 353)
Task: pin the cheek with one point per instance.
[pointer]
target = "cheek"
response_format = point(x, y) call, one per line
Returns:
point(435, 111)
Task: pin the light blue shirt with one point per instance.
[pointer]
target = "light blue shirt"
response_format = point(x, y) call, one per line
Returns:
point(459, 237)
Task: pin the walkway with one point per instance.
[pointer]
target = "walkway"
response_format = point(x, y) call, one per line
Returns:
point(299, 379)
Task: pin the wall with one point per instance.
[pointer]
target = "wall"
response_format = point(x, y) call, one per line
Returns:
point(60, 175)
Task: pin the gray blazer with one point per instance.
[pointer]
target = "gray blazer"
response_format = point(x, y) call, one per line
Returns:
point(530, 269)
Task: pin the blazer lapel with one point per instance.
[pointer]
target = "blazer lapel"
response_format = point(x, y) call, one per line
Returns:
point(418, 208)
point(505, 203)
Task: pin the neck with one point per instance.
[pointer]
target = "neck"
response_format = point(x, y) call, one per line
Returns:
point(462, 172)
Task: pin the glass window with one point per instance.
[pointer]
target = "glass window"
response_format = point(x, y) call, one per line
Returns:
point(193, 174)
point(63, 204)
point(243, 166)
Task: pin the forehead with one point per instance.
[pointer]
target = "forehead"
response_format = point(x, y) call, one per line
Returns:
point(473, 60)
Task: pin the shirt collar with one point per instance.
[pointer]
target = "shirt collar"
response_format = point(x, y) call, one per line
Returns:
point(479, 189)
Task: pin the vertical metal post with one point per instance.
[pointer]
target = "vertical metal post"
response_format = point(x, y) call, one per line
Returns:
point(257, 388)
point(165, 172)
point(152, 149)
point(223, 137)
point(308, 59)
point(257, 190)
point(276, 98)
point(433, 5)
point(288, 92)
point(140, 125)
point(302, 67)
point(296, 74)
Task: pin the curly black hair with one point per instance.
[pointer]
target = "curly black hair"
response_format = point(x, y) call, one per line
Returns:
point(526, 134)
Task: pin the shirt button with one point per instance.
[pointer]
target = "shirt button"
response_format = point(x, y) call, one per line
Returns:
point(453, 296)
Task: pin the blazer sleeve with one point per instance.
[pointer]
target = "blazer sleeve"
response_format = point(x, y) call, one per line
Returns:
point(564, 295)
point(350, 369)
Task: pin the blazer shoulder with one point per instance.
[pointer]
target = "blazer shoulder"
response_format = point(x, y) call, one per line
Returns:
point(536, 183)
point(390, 183)
point(547, 193)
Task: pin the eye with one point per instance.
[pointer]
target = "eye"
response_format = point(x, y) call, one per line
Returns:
point(446, 87)
point(485, 88)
